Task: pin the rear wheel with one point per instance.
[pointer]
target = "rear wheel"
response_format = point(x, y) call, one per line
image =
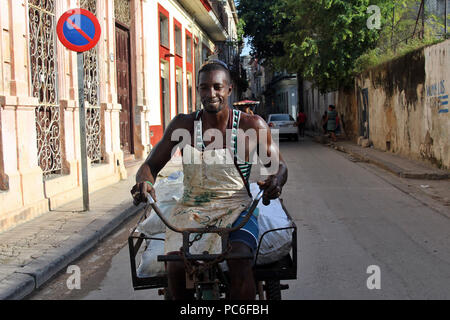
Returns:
point(273, 290)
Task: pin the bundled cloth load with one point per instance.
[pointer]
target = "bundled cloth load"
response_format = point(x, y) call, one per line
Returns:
point(274, 244)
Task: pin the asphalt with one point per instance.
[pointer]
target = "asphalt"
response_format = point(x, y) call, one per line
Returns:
point(33, 252)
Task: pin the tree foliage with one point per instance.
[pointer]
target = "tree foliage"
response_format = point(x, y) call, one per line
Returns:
point(260, 29)
point(403, 33)
point(318, 39)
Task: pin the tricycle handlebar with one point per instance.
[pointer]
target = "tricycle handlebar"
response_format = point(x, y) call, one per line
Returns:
point(208, 229)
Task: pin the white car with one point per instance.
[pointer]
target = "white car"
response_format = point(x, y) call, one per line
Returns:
point(285, 123)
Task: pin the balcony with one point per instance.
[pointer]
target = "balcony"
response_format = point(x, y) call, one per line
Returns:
point(206, 15)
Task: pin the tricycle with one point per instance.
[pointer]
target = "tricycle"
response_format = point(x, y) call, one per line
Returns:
point(204, 273)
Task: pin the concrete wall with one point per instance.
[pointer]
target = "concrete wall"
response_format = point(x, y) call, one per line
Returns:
point(407, 105)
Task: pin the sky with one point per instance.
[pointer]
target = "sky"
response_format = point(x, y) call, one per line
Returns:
point(246, 49)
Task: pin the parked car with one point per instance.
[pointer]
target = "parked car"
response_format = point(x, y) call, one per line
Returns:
point(285, 123)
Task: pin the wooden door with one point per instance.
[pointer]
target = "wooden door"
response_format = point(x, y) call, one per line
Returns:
point(124, 87)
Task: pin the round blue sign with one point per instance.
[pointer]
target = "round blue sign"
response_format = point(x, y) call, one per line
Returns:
point(78, 30)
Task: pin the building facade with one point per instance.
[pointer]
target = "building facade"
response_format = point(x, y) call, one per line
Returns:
point(189, 32)
point(400, 106)
point(138, 77)
point(281, 94)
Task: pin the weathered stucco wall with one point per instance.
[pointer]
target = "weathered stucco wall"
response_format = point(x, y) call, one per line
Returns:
point(347, 106)
point(435, 145)
point(406, 103)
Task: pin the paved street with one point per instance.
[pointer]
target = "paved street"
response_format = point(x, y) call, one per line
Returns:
point(350, 215)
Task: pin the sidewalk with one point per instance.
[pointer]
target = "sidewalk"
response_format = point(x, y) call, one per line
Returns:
point(425, 183)
point(32, 253)
point(400, 166)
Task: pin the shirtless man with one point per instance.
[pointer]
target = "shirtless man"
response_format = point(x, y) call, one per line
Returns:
point(214, 88)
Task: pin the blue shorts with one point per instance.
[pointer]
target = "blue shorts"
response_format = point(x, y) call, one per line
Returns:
point(249, 233)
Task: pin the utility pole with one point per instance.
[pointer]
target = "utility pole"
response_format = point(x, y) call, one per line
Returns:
point(423, 19)
point(393, 21)
point(445, 20)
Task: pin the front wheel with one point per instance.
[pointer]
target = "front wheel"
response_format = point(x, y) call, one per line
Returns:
point(273, 289)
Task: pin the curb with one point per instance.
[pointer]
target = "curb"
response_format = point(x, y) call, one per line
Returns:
point(25, 281)
point(383, 165)
point(395, 169)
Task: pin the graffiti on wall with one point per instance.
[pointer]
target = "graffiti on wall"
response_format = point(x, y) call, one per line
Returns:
point(438, 90)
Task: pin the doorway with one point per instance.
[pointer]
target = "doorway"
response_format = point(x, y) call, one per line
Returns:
point(123, 69)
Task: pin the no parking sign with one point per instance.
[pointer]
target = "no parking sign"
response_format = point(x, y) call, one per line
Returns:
point(78, 30)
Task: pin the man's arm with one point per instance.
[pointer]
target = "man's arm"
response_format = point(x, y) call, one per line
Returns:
point(156, 160)
point(273, 185)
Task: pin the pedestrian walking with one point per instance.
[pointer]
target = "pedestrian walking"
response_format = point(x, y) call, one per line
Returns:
point(301, 122)
point(331, 121)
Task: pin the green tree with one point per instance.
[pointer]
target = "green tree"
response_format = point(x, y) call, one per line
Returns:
point(258, 22)
point(402, 33)
point(318, 39)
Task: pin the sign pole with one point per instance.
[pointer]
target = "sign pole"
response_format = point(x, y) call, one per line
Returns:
point(84, 169)
point(79, 30)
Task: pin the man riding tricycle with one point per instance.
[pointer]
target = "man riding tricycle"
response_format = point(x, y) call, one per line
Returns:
point(217, 145)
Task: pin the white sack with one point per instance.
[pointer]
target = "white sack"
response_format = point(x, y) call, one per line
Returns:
point(168, 192)
point(276, 244)
point(150, 266)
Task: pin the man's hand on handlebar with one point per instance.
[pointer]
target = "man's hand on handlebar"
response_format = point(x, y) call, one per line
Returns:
point(140, 191)
point(271, 187)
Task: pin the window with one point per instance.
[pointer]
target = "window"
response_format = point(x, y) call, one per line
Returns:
point(189, 92)
point(164, 30)
point(205, 53)
point(91, 96)
point(286, 101)
point(188, 49)
point(179, 84)
point(43, 64)
point(281, 117)
point(178, 43)
point(165, 93)
point(198, 54)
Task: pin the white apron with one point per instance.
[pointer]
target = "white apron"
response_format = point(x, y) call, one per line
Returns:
point(214, 194)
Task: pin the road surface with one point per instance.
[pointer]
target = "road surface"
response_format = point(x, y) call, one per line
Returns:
point(360, 236)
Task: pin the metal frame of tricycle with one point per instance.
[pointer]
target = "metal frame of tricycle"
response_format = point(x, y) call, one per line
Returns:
point(284, 269)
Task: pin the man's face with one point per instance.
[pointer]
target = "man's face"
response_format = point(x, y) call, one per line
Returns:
point(214, 90)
